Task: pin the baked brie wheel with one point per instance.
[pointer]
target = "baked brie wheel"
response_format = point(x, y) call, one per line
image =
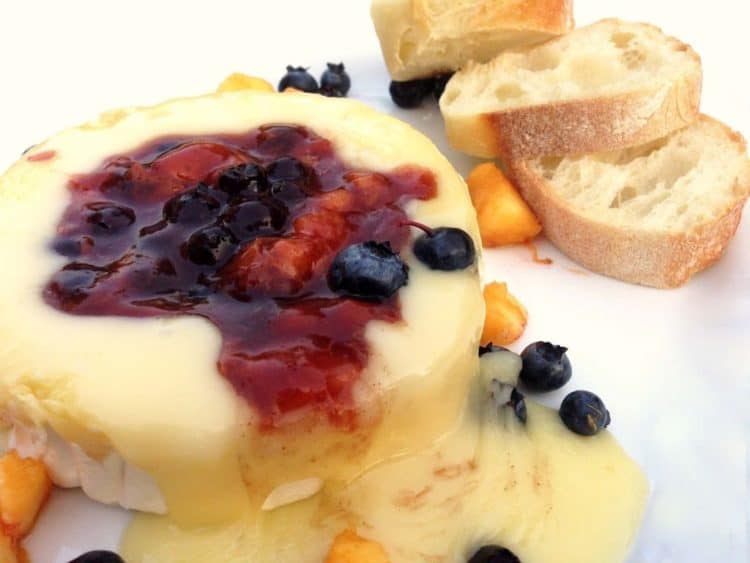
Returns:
point(217, 315)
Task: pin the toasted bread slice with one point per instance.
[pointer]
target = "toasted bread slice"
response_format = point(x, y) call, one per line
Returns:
point(604, 87)
point(422, 38)
point(654, 214)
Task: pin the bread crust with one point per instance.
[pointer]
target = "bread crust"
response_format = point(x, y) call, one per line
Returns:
point(581, 126)
point(651, 258)
point(416, 39)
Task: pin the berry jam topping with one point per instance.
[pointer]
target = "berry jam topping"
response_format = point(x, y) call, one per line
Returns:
point(298, 78)
point(445, 249)
point(335, 81)
point(243, 230)
point(369, 271)
point(494, 554)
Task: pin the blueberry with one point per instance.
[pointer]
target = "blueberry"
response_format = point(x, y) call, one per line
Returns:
point(369, 271)
point(546, 367)
point(72, 284)
point(505, 395)
point(193, 207)
point(335, 82)
point(584, 413)
point(289, 179)
point(494, 554)
point(108, 218)
point(244, 180)
point(98, 557)
point(410, 94)
point(299, 78)
point(440, 82)
point(518, 402)
point(445, 249)
point(254, 218)
point(287, 169)
point(67, 247)
point(210, 246)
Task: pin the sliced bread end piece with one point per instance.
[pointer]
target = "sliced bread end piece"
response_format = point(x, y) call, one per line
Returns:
point(422, 38)
point(653, 215)
point(603, 87)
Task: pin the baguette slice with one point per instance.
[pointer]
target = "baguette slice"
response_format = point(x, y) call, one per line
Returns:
point(422, 38)
point(652, 215)
point(604, 87)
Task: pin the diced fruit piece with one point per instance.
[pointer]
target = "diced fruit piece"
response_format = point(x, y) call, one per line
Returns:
point(409, 95)
point(445, 249)
point(210, 246)
point(348, 547)
point(247, 181)
point(24, 486)
point(98, 557)
point(584, 413)
point(299, 79)
point(546, 367)
point(504, 217)
point(369, 271)
point(494, 554)
point(9, 553)
point(506, 317)
point(238, 81)
point(335, 81)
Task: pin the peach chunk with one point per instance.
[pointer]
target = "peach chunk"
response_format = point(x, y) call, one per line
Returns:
point(348, 547)
point(24, 487)
point(506, 317)
point(504, 217)
point(238, 81)
point(9, 552)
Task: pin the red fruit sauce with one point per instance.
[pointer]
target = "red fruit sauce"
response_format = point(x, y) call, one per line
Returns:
point(288, 341)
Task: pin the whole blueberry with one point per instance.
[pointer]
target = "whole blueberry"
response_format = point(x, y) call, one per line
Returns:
point(369, 271)
point(244, 180)
point(192, 207)
point(289, 179)
point(210, 246)
point(252, 219)
point(71, 284)
point(70, 248)
point(335, 81)
point(546, 367)
point(494, 554)
point(439, 84)
point(108, 218)
point(298, 78)
point(445, 249)
point(410, 94)
point(98, 557)
point(584, 413)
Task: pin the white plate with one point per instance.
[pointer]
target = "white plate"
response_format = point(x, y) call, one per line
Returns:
point(673, 366)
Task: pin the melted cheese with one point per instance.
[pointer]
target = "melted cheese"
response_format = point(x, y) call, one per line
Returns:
point(543, 492)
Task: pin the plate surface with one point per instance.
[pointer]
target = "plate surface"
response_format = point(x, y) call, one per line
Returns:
point(673, 366)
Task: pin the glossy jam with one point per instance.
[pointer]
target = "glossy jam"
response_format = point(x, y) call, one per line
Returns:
point(135, 249)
